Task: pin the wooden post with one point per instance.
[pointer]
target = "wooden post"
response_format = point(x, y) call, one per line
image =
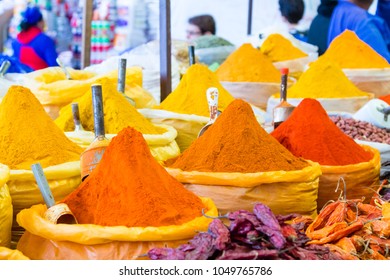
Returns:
point(86, 36)
point(165, 49)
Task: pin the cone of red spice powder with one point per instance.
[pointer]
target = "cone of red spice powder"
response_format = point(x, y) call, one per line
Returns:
point(130, 188)
point(309, 133)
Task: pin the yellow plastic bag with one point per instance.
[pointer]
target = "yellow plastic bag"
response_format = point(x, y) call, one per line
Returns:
point(24, 191)
point(54, 91)
point(187, 126)
point(6, 209)
point(284, 192)
point(44, 240)
point(162, 146)
point(361, 179)
point(141, 97)
point(9, 254)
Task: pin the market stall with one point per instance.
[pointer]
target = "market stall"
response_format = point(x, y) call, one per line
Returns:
point(313, 187)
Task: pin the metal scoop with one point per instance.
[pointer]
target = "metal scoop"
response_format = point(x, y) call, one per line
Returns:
point(385, 112)
point(4, 68)
point(92, 155)
point(76, 117)
point(283, 110)
point(212, 99)
point(122, 79)
point(191, 54)
point(55, 213)
point(67, 74)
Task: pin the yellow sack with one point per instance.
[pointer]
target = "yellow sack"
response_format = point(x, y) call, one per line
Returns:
point(6, 209)
point(187, 126)
point(162, 146)
point(141, 97)
point(284, 192)
point(8, 254)
point(44, 240)
point(62, 179)
point(361, 179)
point(54, 91)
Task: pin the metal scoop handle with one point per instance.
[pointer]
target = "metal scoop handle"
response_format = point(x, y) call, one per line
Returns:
point(4, 67)
point(67, 74)
point(122, 79)
point(191, 54)
point(76, 117)
point(212, 99)
point(43, 184)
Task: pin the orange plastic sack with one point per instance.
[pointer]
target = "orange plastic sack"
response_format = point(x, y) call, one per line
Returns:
point(361, 179)
point(46, 241)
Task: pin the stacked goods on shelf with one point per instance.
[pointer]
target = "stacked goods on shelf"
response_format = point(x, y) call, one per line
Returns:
point(284, 54)
point(186, 107)
point(327, 83)
point(367, 69)
point(118, 114)
point(30, 136)
point(250, 75)
point(309, 133)
point(128, 204)
point(237, 163)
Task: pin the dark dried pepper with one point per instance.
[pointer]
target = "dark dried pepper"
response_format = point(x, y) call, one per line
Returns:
point(265, 215)
point(220, 233)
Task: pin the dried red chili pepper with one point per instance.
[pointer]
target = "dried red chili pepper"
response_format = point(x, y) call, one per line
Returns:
point(220, 233)
point(339, 234)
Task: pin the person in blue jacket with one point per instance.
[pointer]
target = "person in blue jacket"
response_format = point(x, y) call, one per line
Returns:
point(33, 47)
point(383, 10)
point(372, 29)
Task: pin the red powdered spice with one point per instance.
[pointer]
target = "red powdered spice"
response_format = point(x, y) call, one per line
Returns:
point(309, 133)
point(130, 188)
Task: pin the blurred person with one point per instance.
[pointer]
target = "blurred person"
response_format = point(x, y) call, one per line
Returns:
point(292, 12)
point(372, 29)
point(199, 26)
point(319, 27)
point(33, 47)
point(383, 10)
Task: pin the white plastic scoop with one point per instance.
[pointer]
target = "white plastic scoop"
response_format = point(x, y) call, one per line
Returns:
point(212, 99)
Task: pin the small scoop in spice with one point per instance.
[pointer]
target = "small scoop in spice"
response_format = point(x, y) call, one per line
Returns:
point(212, 99)
point(55, 213)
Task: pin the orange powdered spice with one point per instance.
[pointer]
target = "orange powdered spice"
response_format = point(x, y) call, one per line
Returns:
point(248, 64)
point(309, 133)
point(237, 143)
point(130, 188)
point(348, 51)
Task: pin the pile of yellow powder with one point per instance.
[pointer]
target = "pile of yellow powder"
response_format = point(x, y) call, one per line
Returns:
point(29, 135)
point(248, 64)
point(189, 97)
point(348, 51)
point(323, 79)
point(279, 48)
point(118, 112)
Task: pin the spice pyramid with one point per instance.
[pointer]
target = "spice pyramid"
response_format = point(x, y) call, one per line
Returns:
point(130, 188)
point(323, 79)
point(309, 133)
point(347, 50)
point(118, 112)
point(279, 48)
point(248, 64)
point(237, 143)
point(189, 97)
point(29, 135)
